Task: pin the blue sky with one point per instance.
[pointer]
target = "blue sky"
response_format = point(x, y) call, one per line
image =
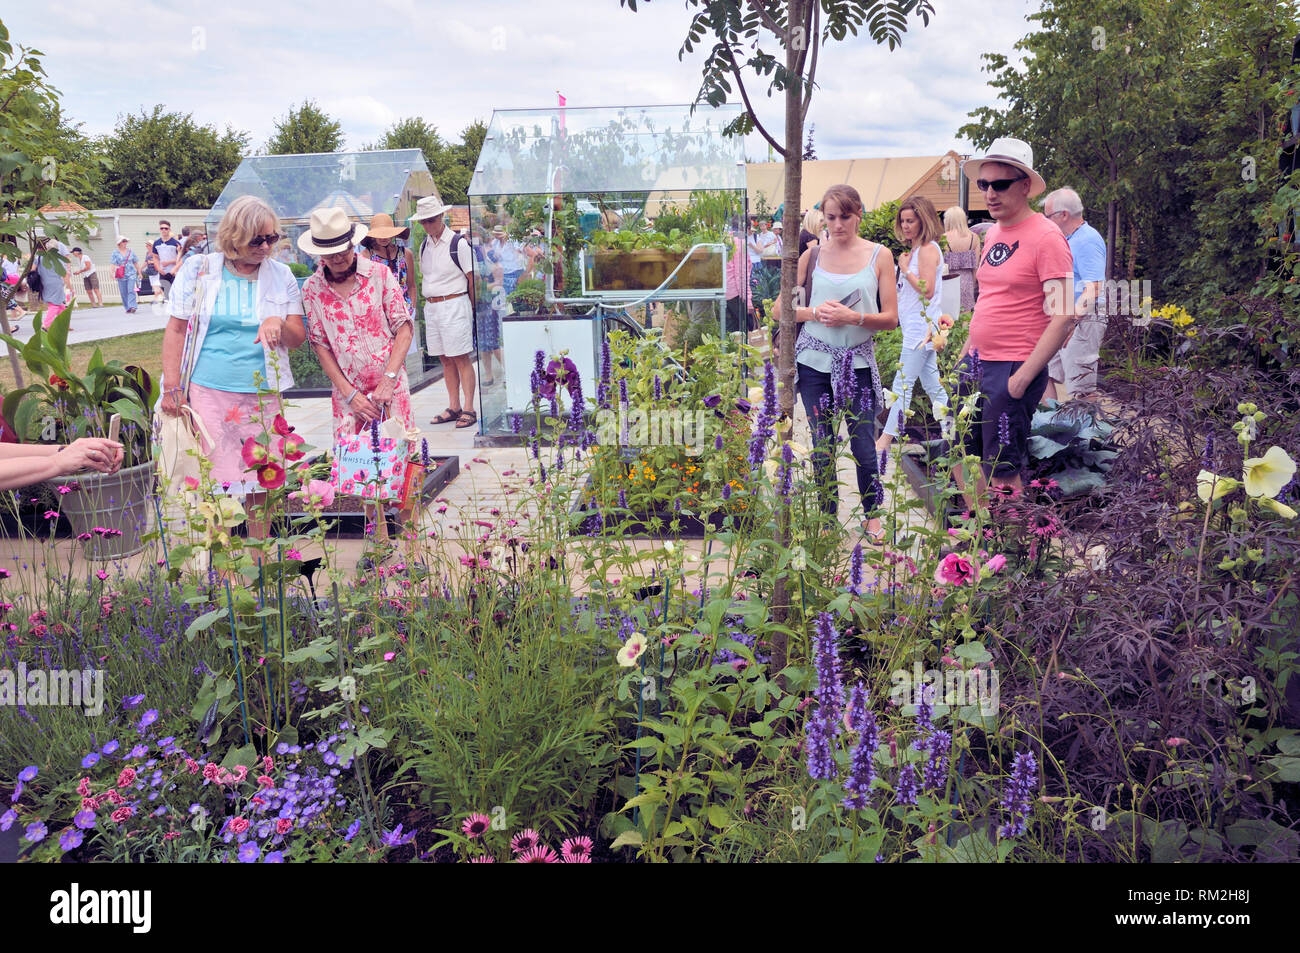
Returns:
point(368, 64)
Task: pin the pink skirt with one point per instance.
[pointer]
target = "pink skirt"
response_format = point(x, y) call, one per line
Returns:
point(230, 419)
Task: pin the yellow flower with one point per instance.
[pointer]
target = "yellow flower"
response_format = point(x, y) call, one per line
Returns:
point(230, 511)
point(1281, 509)
point(631, 650)
point(1265, 476)
point(1207, 483)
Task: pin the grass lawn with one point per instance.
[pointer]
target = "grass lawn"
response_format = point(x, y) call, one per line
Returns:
point(143, 350)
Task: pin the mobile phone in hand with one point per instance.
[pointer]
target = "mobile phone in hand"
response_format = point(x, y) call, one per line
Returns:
point(852, 299)
point(114, 427)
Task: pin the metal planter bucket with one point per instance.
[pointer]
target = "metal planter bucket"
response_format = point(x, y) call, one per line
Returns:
point(115, 501)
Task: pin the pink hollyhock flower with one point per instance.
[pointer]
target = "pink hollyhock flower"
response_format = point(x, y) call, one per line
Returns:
point(475, 826)
point(996, 563)
point(271, 476)
point(541, 854)
point(293, 554)
point(192, 483)
point(955, 569)
point(281, 426)
point(127, 777)
point(290, 448)
point(253, 454)
point(322, 491)
point(525, 840)
point(121, 814)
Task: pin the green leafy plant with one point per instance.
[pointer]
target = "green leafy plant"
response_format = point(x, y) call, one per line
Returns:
point(61, 406)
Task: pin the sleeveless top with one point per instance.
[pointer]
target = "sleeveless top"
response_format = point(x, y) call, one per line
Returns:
point(816, 342)
point(914, 316)
point(397, 266)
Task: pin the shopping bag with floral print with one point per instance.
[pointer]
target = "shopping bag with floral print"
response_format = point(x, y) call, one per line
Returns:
point(372, 464)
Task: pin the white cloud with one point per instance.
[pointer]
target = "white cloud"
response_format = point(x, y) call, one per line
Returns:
point(372, 64)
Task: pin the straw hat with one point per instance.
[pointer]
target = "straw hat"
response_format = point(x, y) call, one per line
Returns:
point(428, 207)
point(330, 232)
point(1007, 151)
point(381, 226)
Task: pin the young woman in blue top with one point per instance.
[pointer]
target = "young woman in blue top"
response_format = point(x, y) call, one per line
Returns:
point(919, 268)
point(834, 349)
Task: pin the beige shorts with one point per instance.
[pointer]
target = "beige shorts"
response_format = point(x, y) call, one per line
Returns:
point(449, 327)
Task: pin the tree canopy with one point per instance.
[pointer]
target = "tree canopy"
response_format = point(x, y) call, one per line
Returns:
point(452, 164)
point(305, 129)
point(161, 159)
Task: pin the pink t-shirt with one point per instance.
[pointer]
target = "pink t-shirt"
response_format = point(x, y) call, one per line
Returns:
point(1010, 315)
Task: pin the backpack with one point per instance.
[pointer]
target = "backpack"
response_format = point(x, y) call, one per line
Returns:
point(456, 239)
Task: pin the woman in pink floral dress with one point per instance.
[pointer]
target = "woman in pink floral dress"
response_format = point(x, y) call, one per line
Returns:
point(359, 326)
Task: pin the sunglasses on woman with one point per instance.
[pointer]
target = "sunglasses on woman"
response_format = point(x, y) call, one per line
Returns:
point(999, 185)
point(257, 241)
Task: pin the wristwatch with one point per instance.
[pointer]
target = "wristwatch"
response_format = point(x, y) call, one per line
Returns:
point(391, 375)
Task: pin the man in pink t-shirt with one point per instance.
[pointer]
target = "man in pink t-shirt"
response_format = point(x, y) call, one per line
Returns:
point(1023, 315)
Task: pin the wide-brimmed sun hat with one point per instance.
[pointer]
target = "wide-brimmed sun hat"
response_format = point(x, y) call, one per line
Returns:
point(428, 207)
point(330, 232)
point(1007, 151)
point(381, 226)
point(122, 238)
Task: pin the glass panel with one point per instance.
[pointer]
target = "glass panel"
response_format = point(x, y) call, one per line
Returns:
point(609, 149)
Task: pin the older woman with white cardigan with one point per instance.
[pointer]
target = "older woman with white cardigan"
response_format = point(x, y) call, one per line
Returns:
point(233, 363)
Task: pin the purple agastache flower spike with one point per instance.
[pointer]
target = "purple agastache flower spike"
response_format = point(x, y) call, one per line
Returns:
point(924, 713)
point(906, 790)
point(374, 436)
point(717, 442)
point(884, 461)
point(659, 388)
point(787, 472)
point(855, 570)
point(936, 769)
point(830, 686)
point(622, 391)
point(1207, 456)
point(1015, 798)
point(817, 747)
point(1004, 430)
point(622, 499)
point(424, 446)
point(861, 769)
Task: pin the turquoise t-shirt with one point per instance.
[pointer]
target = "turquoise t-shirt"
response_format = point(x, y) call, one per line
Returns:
point(230, 359)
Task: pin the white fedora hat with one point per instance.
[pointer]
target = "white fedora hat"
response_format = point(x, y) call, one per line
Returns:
point(330, 232)
point(1012, 152)
point(428, 207)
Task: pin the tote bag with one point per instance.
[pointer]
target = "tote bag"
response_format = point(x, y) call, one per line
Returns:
point(359, 469)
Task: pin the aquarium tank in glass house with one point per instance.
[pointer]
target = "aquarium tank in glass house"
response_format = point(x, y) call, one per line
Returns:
point(362, 184)
point(587, 218)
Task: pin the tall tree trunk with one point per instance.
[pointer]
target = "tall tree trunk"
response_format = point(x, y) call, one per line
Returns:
point(789, 273)
point(1132, 247)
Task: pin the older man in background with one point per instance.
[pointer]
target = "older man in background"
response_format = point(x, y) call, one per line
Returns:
point(1075, 365)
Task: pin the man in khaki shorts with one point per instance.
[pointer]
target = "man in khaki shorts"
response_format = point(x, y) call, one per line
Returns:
point(446, 281)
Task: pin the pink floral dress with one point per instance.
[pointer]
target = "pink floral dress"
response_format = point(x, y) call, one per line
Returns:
point(359, 333)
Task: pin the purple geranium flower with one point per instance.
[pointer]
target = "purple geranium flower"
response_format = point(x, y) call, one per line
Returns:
point(28, 773)
point(7, 819)
point(249, 853)
point(132, 701)
point(36, 832)
point(84, 819)
point(70, 838)
point(90, 760)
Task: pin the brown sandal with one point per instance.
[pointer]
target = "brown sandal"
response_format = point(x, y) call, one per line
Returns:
point(447, 416)
point(467, 419)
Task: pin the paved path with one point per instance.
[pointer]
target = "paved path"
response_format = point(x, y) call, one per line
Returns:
point(110, 321)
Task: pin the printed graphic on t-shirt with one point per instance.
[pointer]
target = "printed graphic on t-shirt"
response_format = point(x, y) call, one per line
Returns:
point(1000, 253)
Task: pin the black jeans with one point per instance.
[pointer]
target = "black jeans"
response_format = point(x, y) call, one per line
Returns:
point(814, 388)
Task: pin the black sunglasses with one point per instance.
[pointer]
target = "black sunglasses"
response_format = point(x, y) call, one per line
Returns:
point(999, 185)
point(259, 240)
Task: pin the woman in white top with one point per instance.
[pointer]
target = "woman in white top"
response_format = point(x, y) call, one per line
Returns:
point(834, 350)
point(917, 224)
